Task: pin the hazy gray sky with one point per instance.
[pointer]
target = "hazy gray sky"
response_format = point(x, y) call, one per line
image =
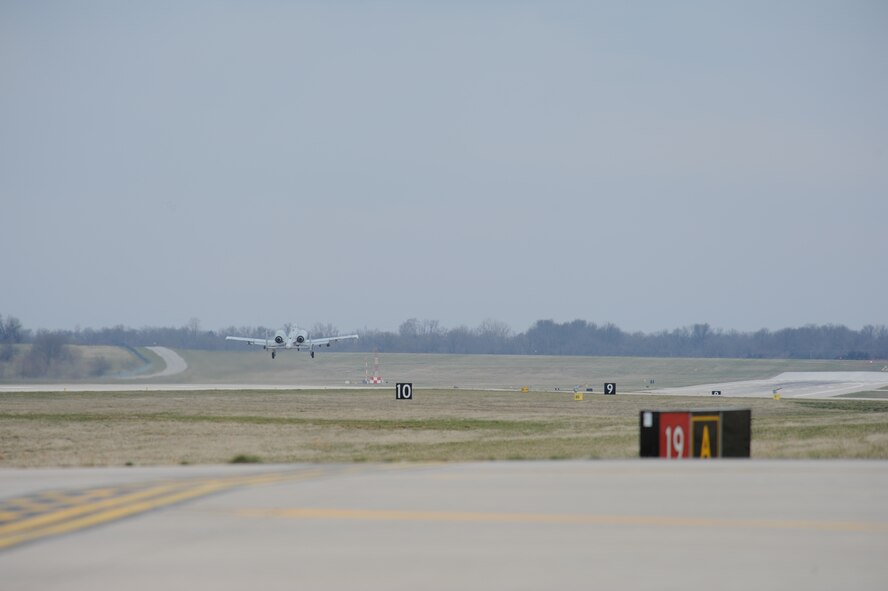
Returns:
point(651, 164)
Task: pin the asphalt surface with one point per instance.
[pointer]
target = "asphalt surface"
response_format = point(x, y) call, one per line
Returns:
point(789, 385)
point(174, 364)
point(642, 524)
point(813, 384)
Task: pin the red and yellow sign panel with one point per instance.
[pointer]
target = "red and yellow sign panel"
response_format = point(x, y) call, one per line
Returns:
point(695, 434)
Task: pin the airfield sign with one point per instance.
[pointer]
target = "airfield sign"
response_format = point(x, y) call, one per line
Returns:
point(404, 391)
point(675, 434)
point(610, 388)
point(695, 434)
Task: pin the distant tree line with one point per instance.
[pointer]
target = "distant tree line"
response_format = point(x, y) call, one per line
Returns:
point(44, 354)
point(544, 337)
point(579, 337)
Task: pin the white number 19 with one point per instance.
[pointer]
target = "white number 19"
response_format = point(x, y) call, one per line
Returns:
point(675, 441)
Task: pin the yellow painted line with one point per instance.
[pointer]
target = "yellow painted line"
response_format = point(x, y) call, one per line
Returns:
point(25, 504)
point(60, 497)
point(47, 518)
point(89, 514)
point(625, 520)
point(101, 493)
point(110, 514)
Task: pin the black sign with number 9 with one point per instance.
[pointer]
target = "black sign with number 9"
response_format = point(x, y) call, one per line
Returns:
point(610, 388)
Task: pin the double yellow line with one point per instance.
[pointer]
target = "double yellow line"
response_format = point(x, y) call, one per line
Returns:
point(97, 509)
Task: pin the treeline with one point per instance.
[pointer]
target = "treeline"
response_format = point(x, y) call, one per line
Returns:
point(580, 337)
point(545, 337)
point(46, 355)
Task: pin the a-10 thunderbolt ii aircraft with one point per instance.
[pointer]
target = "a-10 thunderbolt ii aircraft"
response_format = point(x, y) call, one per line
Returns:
point(296, 338)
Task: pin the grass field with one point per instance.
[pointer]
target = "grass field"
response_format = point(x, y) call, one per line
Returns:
point(542, 372)
point(210, 427)
point(452, 418)
point(484, 371)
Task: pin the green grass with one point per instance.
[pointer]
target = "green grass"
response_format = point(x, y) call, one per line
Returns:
point(211, 427)
point(245, 459)
point(842, 405)
point(485, 371)
point(872, 394)
point(539, 372)
point(430, 424)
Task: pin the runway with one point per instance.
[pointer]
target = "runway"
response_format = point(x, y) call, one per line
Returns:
point(789, 385)
point(640, 524)
point(812, 384)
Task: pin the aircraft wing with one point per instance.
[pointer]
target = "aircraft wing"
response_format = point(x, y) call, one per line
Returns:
point(328, 340)
point(249, 341)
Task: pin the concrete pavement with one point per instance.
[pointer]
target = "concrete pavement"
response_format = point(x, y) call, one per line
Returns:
point(642, 524)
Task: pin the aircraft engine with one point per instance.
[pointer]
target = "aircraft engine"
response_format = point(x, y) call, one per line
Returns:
point(279, 337)
point(301, 336)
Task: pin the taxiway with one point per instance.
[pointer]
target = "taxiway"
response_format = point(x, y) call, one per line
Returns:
point(742, 524)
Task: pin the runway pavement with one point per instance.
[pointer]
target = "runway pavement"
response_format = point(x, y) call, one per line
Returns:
point(642, 524)
point(790, 385)
point(813, 384)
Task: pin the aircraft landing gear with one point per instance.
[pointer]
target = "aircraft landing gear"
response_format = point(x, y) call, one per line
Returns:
point(312, 354)
point(272, 354)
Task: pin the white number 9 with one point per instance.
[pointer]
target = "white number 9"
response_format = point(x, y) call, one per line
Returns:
point(678, 441)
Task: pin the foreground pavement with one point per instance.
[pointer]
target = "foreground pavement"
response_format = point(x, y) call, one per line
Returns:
point(642, 524)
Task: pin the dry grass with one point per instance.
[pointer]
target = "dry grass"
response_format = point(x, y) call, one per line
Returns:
point(334, 369)
point(155, 428)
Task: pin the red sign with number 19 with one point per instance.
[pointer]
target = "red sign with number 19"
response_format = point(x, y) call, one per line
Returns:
point(675, 434)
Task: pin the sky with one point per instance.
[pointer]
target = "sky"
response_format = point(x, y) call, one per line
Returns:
point(651, 164)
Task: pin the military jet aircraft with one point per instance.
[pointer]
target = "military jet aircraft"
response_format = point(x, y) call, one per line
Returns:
point(296, 338)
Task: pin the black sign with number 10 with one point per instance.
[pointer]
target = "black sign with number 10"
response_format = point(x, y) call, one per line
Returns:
point(404, 391)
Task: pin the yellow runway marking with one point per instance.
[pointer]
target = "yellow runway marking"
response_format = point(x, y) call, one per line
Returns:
point(27, 519)
point(26, 505)
point(623, 520)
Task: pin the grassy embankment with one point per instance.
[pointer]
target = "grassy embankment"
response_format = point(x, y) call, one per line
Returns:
point(70, 363)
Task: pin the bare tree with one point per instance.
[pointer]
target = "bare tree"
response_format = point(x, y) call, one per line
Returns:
point(321, 329)
point(409, 328)
point(430, 328)
point(494, 329)
point(11, 331)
